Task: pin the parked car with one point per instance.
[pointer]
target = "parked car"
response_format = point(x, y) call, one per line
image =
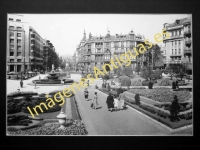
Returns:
point(13, 75)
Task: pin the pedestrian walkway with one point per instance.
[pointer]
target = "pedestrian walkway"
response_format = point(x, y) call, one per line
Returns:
point(124, 122)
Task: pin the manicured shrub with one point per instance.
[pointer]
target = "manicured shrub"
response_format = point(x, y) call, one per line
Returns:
point(145, 83)
point(137, 99)
point(165, 82)
point(125, 81)
point(157, 74)
point(136, 82)
point(175, 108)
point(127, 71)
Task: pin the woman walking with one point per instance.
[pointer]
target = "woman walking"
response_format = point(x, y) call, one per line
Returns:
point(110, 102)
point(86, 93)
point(121, 101)
point(95, 100)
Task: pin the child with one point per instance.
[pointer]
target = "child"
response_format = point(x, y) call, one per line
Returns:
point(86, 93)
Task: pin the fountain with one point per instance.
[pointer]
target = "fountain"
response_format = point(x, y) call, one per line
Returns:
point(53, 78)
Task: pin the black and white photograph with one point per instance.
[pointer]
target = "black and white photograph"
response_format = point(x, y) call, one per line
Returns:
point(90, 74)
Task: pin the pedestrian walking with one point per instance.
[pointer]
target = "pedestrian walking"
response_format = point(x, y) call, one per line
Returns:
point(21, 83)
point(121, 101)
point(116, 104)
point(86, 93)
point(95, 101)
point(39, 77)
point(110, 102)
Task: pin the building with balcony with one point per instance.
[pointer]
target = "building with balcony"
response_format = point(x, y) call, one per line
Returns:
point(36, 50)
point(17, 43)
point(178, 46)
point(26, 49)
point(98, 50)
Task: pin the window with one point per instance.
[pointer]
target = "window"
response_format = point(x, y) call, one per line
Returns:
point(18, 60)
point(179, 32)
point(172, 51)
point(19, 35)
point(175, 42)
point(179, 51)
point(11, 19)
point(19, 28)
point(172, 43)
point(11, 60)
point(179, 42)
point(19, 42)
point(165, 52)
point(175, 33)
point(11, 46)
point(11, 53)
point(19, 54)
point(175, 51)
point(12, 41)
point(172, 33)
point(18, 20)
point(11, 34)
point(11, 27)
point(19, 48)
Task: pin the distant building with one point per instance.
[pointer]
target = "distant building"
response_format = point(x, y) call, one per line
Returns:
point(178, 46)
point(98, 50)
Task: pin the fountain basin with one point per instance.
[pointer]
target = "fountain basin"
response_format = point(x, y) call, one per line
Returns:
point(55, 81)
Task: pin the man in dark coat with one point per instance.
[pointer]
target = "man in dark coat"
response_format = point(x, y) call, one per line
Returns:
point(110, 102)
point(21, 84)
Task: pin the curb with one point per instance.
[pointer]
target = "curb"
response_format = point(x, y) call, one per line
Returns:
point(85, 119)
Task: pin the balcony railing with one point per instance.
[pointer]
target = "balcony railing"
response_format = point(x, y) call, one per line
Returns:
point(188, 41)
point(173, 37)
point(187, 31)
point(187, 50)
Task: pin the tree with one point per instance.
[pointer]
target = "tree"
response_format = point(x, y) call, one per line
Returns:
point(146, 72)
point(137, 69)
point(127, 71)
point(172, 70)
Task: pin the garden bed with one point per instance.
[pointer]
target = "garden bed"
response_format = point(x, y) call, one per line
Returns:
point(162, 117)
point(72, 127)
point(162, 95)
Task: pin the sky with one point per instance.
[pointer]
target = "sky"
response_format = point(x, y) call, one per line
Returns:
point(66, 30)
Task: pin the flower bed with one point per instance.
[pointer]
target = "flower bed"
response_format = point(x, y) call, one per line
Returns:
point(161, 116)
point(23, 93)
point(162, 95)
point(73, 127)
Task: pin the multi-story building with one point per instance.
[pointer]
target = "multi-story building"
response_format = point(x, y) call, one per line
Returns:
point(26, 49)
point(17, 43)
point(98, 50)
point(178, 46)
point(36, 47)
point(46, 47)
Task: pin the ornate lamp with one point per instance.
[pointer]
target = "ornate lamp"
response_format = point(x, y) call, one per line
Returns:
point(62, 119)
